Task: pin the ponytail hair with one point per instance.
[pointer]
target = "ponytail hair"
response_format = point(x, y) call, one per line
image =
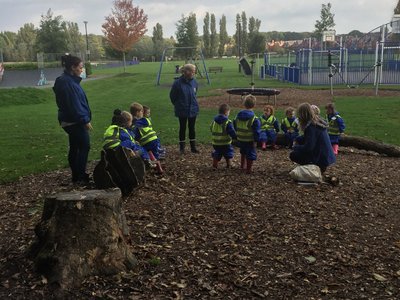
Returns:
point(121, 118)
point(68, 61)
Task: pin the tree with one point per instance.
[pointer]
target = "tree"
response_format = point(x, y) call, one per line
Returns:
point(326, 21)
point(257, 43)
point(7, 43)
point(124, 26)
point(187, 34)
point(158, 40)
point(213, 37)
point(206, 35)
point(51, 37)
point(143, 49)
point(245, 37)
point(397, 8)
point(75, 42)
point(25, 44)
point(223, 36)
point(238, 36)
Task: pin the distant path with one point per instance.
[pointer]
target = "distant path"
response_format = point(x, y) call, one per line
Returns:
point(27, 78)
point(30, 78)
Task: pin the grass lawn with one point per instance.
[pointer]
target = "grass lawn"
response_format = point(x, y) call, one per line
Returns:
point(33, 142)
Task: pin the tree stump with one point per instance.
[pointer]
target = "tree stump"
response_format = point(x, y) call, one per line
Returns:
point(82, 233)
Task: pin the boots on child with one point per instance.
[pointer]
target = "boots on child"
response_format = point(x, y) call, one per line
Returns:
point(215, 163)
point(243, 161)
point(248, 167)
point(182, 147)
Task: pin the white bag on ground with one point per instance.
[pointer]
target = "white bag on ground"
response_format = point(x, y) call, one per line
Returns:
point(306, 173)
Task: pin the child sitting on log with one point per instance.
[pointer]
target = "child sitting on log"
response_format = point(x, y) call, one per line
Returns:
point(118, 134)
point(222, 132)
point(269, 128)
point(290, 126)
point(247, 127)
point(144, 133)
point(336, 126)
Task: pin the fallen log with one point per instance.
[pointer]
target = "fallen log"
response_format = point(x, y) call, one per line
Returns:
point(359, 143)
point(81, 234)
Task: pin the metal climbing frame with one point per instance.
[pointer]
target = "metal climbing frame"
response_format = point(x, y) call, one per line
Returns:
point(174, 48)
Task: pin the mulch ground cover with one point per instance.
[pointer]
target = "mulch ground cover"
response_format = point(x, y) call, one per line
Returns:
point(223, 234)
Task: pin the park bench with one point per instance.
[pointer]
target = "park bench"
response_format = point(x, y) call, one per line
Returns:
point(215, 69)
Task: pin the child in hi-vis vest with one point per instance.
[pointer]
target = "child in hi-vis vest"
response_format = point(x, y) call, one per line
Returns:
point(144, 133)
point(222, 132)
point(269, 128)
point(247, 127)
point(290, 126)
point(335, 126)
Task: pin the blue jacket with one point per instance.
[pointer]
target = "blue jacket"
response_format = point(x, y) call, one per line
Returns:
point(183, 97)
point(245, 115)
point(335, 120)
point(230, 130)
point(316, 147)
point(73, 106)
point(291, 121)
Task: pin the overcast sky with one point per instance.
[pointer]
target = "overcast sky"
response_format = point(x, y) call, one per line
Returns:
point(278, 15)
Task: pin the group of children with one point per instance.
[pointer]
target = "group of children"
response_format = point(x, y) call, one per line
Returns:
point(134, 130)
point(249, 130)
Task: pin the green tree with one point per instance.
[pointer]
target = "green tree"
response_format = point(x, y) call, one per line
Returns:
point(326, 21)
point(245, 37)
point(206, 35)
point(7, 44)
point(158, 40)
point(52, 37)
point(223, 36)
point(238, 36)
point(187, 34)
point(124, 26)
point(75, 41)
point(213, 37)
point(96, 47)
point(257, 43)
point(143, 49)
point(25, 44)
point(397, 8)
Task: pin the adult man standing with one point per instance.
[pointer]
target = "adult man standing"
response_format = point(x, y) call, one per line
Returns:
point(183, 97)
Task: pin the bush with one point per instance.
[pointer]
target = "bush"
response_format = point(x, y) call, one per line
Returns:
point(88, 68)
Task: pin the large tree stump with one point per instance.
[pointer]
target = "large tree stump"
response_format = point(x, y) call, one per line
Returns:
point(82, 233)
point(359, 143)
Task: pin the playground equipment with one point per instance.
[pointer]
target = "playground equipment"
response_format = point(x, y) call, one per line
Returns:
point(373, 58)
point(198, 69)
point(42, 80)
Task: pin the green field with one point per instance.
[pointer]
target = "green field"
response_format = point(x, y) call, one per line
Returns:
point(33, 142)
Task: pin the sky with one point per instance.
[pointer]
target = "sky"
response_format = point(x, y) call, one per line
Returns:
point(275, 15)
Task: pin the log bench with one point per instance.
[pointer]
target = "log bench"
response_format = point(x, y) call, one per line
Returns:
point(214, 69)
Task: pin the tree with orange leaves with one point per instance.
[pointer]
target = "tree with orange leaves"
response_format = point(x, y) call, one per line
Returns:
point(124, 26)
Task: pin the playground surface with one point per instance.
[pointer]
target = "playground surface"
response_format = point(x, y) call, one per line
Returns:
point(204, 234)
point(27, 78)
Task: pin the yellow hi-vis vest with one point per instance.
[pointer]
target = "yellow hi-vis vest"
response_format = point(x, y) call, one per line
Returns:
point(290, 126)
point(111, 138)
point(244, 132)
point(219, 135)
point(333, 128)
point(147, 134)
point(267, 124)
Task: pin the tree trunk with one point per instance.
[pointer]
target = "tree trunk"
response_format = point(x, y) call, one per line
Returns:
point(82, 233)
point(359, 143)
point(123, 58)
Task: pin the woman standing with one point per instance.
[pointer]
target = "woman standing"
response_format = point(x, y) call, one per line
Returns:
point(74, 116)
point(183, 97)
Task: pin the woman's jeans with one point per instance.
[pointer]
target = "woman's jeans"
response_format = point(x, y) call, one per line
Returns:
point(79, 146)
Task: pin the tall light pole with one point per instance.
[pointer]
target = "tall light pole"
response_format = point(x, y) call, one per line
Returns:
point(87, 42)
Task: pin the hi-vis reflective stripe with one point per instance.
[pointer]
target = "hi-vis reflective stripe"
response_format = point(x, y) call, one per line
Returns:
point(267, 124)
point(244, 131)
point(147, 134)
point(333, 128)
point(111, 137)
point(290, 126)
point(219, 134)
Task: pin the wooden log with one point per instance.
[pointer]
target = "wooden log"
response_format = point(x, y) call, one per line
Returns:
point(81, 234)
point(359, 143)
point(119, 167)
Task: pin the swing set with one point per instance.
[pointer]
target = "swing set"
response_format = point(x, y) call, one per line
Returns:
point(199, 70)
